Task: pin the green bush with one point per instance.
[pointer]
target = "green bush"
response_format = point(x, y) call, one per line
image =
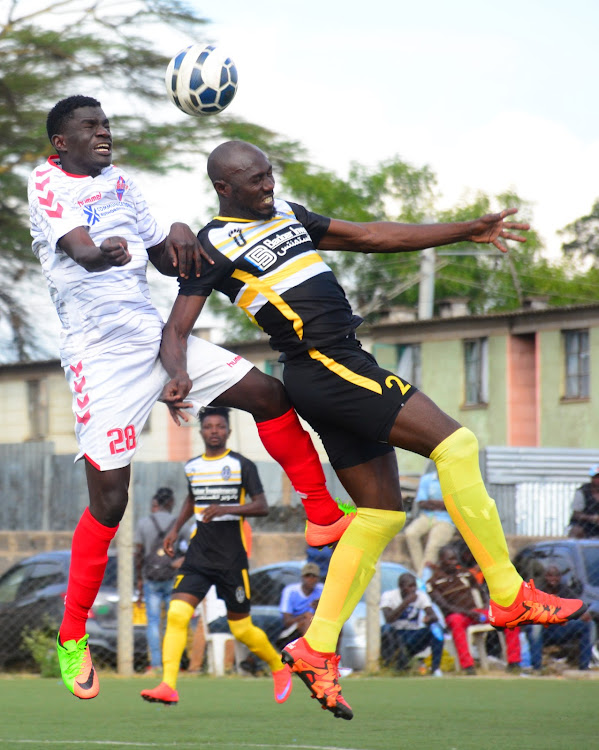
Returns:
point(41, 644)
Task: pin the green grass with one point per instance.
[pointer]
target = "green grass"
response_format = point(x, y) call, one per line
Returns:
point(454, 713)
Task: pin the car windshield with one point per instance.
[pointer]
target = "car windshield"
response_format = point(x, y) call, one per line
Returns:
point(590, 555)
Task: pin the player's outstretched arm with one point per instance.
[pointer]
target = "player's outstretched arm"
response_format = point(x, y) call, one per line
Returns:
point(79, 246)
point(393, 237)
point(173, 353)
point(180, 253)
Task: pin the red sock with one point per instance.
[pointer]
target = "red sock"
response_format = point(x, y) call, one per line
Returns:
point(89, 555)
point(291, 446)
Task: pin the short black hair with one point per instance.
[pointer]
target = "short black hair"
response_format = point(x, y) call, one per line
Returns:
point(164, 496)
point(217, 411)
point(63, 110)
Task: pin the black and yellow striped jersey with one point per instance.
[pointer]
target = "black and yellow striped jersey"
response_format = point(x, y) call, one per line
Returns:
point(222, 480)
point(272, 271)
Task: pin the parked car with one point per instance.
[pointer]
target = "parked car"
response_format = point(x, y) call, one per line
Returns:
point(32, 595)
point(267, 583)
point(578, 562)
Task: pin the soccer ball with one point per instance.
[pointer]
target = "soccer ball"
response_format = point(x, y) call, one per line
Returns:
point(201, 80)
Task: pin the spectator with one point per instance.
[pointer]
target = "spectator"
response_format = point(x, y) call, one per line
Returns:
point(432, 521)
point(155, 581)
point(408, 629)
point(298, 602)
point(321, 556)
point(584, 522)
point(463, 603)
point(574, 630)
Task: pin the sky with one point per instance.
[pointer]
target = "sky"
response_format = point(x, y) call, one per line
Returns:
point(491, 96)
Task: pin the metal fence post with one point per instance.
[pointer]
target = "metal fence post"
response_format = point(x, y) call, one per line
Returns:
point(373, 622)
point(124, 542)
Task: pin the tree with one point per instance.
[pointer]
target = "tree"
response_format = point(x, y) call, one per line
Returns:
point(101, 48)
point(584, 233)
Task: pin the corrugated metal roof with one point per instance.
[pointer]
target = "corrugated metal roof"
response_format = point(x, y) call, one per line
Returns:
point(508, 465)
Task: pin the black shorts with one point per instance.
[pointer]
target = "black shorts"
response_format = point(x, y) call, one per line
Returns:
point(232, 586)
point(348, 399)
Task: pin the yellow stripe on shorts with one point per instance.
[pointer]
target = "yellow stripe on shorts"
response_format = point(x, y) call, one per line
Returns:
point(345, 373)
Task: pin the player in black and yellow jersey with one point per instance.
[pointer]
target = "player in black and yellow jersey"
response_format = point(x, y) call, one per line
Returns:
point(220, 482)
point(266, 261)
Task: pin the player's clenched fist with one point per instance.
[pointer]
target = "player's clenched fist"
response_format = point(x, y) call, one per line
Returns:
point(114, 251)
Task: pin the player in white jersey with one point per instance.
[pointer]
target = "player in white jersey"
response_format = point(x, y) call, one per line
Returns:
point(93, 234)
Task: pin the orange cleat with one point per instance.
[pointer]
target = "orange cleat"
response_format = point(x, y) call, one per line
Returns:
point(162, 694)
point(323, 536)
point(283, 684)
point(533, 606)
point(78, 672)
point(320, 672)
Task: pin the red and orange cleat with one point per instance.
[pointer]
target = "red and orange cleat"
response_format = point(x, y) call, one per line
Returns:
point(320, 672)
point(533, 606)
point(162, 694)
point(283, 685)
point(323, 536)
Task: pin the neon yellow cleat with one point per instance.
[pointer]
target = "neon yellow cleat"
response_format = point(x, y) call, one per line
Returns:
point(76, 667)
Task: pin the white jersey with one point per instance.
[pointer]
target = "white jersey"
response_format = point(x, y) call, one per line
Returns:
point(104, 311)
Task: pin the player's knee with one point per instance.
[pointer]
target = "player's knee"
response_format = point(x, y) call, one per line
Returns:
point(462, 444)
point(179, 614)
point(240, 628)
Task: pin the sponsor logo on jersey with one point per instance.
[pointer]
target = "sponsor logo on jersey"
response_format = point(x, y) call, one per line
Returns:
point(121, 186)
point(234, 361)
point(91, 215)
point(90, 199)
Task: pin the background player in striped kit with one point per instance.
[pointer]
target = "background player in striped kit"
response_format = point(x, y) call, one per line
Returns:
point(93, 234)
point(220, 482)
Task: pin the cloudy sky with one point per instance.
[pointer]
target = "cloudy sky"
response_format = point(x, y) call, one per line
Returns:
point(491, 96)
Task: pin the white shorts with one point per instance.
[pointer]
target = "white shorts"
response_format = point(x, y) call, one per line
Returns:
point(114, 395)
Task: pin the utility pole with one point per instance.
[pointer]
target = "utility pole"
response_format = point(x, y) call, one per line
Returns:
point(426, 289)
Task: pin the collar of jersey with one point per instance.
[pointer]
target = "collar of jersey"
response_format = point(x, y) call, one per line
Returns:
point(247, 221)
point(215, 458)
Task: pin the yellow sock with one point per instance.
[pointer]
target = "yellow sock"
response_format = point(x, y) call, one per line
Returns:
point(175, 639)
point(475, 513)
point(352, 566)
point(257, 641)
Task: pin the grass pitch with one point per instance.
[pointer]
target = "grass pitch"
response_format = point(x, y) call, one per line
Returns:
point(454, 713)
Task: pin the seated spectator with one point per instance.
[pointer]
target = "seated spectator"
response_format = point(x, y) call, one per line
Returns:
point(573, 630)
point(298, 602)
point(584, 523)
point(463, 603)
point(409, 617)
point(321, 556)
point(432, 521)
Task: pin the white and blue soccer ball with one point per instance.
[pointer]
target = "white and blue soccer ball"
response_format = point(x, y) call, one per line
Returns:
point(201, 80)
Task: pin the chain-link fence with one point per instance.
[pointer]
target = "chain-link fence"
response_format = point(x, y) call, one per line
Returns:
point(32, 601)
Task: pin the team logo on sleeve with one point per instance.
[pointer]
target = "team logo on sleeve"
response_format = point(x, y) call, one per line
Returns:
point(121, 186)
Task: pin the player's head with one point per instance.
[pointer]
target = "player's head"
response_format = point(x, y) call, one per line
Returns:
point(80, 132)
point(242, 176)
point(406, 584)
point(164, 498)
point(214, 427)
